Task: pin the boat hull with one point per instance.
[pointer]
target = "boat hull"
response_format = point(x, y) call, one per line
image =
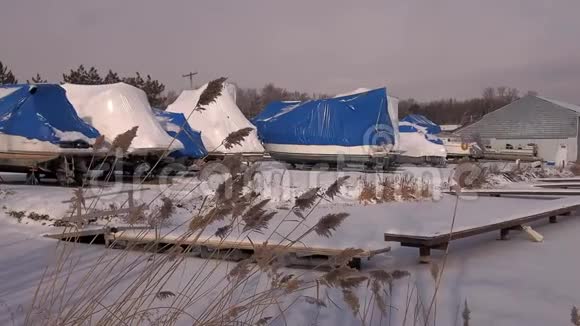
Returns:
point(327, 154)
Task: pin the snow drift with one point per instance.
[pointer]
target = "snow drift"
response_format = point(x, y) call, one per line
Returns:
point(113, 109)
point(217, 121)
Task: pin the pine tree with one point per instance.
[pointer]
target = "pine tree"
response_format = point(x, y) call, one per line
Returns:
point(6, 76)
point(153, 88)
point(83, 77)
point(36, 80)
point(111, 78)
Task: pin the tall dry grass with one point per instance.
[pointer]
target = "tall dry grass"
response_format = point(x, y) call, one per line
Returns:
point(132, 287)
point(392, 188)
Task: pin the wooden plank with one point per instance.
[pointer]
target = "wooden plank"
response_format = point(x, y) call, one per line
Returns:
point(108, 194)
point(519, 192)
point(559, 185)
point(149, 238)
point(570, 179)
point(89, 232)
point(433, 241)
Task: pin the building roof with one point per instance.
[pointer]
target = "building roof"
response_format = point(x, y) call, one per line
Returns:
point(568, 106)
point(530, 117)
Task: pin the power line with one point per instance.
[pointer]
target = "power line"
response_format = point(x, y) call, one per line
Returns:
point(190, 75)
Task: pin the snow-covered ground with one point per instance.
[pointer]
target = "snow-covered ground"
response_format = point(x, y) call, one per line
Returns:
point(517, 282)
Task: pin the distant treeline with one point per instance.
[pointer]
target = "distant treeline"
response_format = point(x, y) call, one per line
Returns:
point(251, 100)
point(452, 111)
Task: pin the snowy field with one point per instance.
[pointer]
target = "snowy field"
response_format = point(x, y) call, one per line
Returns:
point(517, 282)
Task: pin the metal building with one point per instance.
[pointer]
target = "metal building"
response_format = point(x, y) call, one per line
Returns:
point(549, 124)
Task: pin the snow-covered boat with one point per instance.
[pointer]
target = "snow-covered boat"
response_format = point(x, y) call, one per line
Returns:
point(218, 119)
point(40, 133)
point(355, 128)
point(114, 109)
point(419, 146)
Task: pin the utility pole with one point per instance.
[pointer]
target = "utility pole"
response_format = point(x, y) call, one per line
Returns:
point(190, 75)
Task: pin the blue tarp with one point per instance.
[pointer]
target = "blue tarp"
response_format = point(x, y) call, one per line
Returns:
point(354, 120)
point(410, 127)
point(35, 111)
point(191, 139)
point(420, 120)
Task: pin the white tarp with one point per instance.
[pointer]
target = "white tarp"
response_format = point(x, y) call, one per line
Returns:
point(393, 107)
point(115, 108)
point(217, 121)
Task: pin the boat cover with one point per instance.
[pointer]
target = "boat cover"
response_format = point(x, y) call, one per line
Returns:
point(422, 121)
point(351, 120)
point(219, 119)
point(41, 112)
point(408, 127)
point(191, 139)
point(115, 108)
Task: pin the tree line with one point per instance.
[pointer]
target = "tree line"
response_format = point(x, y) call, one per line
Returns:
point(252, 100)
point(152, 87)
point(462, 112)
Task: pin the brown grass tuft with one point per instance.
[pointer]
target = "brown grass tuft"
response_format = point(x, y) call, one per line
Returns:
point(123, 141)
point(263, 321)
point(162, 295)
point(388, 191)
point(400, 274)
point(237, 137)
point(381, 276)
point(368, 193)
point(334, 188)
point(329, 223)
point(256, 217)
point(307, 199)
point(166, 209)
point(210, 94)
point(223, 231)
point(314, 301)
point(351, 300)
point(240, 271)
point(408, 187)
point(345, 256)
point(99, 142)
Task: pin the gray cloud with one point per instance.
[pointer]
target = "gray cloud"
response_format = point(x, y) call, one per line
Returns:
point(421, 49)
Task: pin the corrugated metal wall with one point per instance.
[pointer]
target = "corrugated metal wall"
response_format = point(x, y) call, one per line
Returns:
point(528, 118)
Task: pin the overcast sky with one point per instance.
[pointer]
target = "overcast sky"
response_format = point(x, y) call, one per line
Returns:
point(422, 49)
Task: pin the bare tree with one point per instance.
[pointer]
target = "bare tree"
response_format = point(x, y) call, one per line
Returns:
point(489, 93)
point(501, 91)
point(532, 93)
